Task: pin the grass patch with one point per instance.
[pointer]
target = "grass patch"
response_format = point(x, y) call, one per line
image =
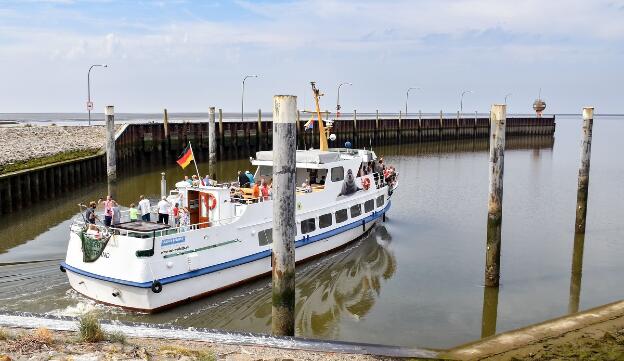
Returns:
point(90, 328)
point(38, 162)
point(199, 355)
point(4, 334)
point(116, 337)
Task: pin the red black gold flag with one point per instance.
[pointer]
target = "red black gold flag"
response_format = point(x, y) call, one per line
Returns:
point(186, 157)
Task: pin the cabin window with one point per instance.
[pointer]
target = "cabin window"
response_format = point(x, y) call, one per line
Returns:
point(356, 210)
point(380, 201)
point(341, 215)
point(265, 237)
point(337, 174)
point(308, 225)
point(369, 205)
point(325, 220)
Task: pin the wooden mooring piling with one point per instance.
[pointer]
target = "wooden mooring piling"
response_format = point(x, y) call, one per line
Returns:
point(157, 142)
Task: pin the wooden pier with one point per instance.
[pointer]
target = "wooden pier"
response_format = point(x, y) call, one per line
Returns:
point(147, 143)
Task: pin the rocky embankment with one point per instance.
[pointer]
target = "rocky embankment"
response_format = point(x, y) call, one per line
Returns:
point(23, 143)
point(43, 344)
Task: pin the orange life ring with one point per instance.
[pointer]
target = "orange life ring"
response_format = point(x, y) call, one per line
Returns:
point(212, 201)
point(366, 183)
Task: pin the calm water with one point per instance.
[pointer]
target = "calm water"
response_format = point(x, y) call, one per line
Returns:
point(416, 280)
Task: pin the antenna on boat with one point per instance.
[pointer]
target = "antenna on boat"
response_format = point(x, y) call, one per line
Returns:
point(322, 131)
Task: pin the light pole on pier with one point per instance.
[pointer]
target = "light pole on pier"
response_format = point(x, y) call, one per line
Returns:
point(407, 98)
point(338, 100)
point(89, 104)
point(506, 96)
point(461, 100)
point(243, 96)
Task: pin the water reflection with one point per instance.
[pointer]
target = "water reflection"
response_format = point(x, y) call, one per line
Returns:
point(577, 273)
point(490, 311)
point(345, 284)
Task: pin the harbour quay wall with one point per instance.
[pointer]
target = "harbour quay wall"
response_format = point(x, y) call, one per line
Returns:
point(140, 143)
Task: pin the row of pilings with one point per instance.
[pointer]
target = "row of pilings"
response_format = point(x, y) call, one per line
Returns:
point(155, 143)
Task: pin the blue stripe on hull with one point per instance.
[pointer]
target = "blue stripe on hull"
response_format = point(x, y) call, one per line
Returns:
point(306, 240)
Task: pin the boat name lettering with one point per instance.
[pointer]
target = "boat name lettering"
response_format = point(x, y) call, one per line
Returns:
point(177, 249)
point(172, 241)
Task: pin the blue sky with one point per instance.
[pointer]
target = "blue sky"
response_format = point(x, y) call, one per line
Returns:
point(189, 55)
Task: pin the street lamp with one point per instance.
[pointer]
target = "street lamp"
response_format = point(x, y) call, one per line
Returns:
point(338, 101)
point(89, 104)
point(407, 98)
point(243, 95)
point(461, 101)
point(507, 95)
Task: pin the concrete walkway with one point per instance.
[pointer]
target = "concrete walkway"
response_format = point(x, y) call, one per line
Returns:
point(525, 337)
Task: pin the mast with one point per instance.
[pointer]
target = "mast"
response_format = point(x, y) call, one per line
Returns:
point(322, 132)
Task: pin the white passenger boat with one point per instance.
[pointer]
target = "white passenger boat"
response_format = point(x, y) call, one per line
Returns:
point(149, 266)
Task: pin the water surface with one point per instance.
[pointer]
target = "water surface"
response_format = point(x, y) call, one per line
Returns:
point(417, 279)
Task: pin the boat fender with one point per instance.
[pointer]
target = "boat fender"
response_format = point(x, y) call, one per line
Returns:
point(62, 268)
point(156, 287)
point(364, 225)
point(116, 293)
point(383, 217)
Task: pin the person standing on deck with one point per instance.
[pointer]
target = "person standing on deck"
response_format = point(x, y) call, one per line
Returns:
point(206, 180)
point(116, 213)
point(176, 215)
point(133, 213)
point(144, 207)
point(90, 215)
point(108, 211)
point(243, 181)
point(264, 190)
point(255, 193)
point(250, 177)
point(163, 211)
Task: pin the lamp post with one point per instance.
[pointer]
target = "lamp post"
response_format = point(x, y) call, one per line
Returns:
point(407, 98)
point(506, 96)
point(89, 104)
point(461, 100)
point(338, 100)
point(243, 96)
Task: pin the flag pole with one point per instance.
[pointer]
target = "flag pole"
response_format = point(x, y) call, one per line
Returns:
point(195, 162)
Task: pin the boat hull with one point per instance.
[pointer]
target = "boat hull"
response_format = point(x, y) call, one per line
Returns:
point(142, 298)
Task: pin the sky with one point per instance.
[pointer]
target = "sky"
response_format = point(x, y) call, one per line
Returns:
point(189, 55)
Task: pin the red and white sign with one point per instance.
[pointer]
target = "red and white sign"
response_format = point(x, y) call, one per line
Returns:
point(89, 105)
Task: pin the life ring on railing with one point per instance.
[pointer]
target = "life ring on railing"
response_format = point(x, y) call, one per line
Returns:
point(366, 183)
point(156, 286)
point(212, 201)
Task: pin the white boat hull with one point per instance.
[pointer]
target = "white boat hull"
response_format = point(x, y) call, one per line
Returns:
point(145, 300)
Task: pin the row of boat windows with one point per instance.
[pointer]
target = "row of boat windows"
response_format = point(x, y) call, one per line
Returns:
point(265, 236)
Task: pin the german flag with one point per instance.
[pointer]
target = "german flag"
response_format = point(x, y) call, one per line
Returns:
point(186, 157)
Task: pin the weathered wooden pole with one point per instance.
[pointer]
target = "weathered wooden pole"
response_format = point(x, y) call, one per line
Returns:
point(284, 226)
point(260, 137)
point(489, 314)
point(583, 177)
point(166, 123)
point(495, 198)
point(111, 155)
point(577, 273)
point(212, 139)
point(355, 129)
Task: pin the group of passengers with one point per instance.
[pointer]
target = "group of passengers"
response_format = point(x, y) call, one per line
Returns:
point(195, 181)
point(260, 189)
point(112, 213)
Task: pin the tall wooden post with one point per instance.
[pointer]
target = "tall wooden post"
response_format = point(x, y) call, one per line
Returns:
point(212, 140)
point(111, 155)
point(577, 273)
point(583, 177)
point(284, 226)
point(166, 123)
point(489, 314)
point(355, 129)
point(495, 198)
point(163, 185)
point(260, 136)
